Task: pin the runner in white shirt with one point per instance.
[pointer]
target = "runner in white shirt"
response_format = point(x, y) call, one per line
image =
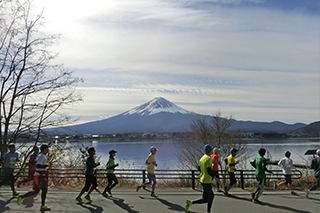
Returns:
point(40, 179)
point(287, 165)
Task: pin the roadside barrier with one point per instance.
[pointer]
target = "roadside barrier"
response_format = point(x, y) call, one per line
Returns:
point(192, 175)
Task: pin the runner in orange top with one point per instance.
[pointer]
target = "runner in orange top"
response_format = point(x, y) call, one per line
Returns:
point(215, 167)
point(32, 166)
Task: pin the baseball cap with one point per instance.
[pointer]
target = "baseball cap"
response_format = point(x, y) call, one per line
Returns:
point(91, 148)
point(112, 151)
point(11, 146)
point(318, 152)
point(208, 148)
point(153, 148)
point(35, 148)
point(287, 154)
point(233, 150)
point(216, 149)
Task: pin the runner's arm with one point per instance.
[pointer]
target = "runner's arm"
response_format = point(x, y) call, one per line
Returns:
point(42, 166)
point(253, 163)
point(233, 164)
point(210, 171)
point(265, 169)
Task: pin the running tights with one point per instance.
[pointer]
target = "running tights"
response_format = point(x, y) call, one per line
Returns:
point(207, 196)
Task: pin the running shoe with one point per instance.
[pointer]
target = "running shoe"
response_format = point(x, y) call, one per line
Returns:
point(227, 194)
point(275, 187)
point(252, 196)
point(45, 208)
point(138, 188)
point(307, 193)
point(188, 205)
point(153, 194)
point(88, 198)
point(257, 201)
point(79, 200)
point(293, 193)
point(15, 193)
point(219, 190)
point(20, 199)
point(109, 193)
point(104, 195)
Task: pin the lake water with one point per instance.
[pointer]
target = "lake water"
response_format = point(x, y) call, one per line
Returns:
point(133, 154)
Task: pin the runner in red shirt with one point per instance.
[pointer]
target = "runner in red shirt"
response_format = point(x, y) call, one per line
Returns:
point(215, 165)
point(32, 166)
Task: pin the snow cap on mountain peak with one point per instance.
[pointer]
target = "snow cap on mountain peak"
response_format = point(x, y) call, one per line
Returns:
point(155, 106)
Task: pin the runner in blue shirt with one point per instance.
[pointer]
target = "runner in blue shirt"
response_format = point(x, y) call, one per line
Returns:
point(315, 165)
point(8, 161)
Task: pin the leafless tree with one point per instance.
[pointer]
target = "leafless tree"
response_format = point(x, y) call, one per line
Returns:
point(33, 89)
point(213, 130)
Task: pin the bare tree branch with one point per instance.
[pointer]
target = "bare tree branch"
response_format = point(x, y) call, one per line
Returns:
point(33, 90)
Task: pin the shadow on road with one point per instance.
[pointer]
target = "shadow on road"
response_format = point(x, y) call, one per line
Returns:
point(92, 208)
point(28, 201)
point(120, 202)
point(283, 207)
point(287, 208)
point(315, 199)
point(171, 206)
point(3, 207)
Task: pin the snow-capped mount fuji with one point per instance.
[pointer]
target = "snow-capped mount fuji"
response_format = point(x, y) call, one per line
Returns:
point(157, 115)
point(160, 115)
point(157, 105)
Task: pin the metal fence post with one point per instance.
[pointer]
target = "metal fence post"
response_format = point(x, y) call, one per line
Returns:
point(193, 180)
point(241, 179)
point(144, 177)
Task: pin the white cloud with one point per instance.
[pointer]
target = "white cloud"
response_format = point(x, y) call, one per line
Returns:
point(246, 59)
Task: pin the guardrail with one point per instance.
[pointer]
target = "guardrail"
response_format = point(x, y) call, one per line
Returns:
point(141, 174)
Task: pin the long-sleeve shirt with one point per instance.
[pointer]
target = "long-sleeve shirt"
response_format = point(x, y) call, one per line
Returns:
point(287, 165)
point(110, 166)
point(90, 165)
point(315, 164)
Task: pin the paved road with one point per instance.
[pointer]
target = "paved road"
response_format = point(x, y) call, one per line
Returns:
point(169, 200)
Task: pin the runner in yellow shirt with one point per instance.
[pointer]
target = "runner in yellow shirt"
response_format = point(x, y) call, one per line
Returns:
point(151, 163)
point(231, 162)
point(206, 174)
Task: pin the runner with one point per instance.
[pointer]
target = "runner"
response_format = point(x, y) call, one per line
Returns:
point(206, 174)
point(32, 166)
point(287, 165)
point(110, 174)
point(40, 179)
point(260, 164)
point(91, 179)
point(315, 165)
point(151, 163)
point(215, 167)
point(8, 161)
point(231, 163)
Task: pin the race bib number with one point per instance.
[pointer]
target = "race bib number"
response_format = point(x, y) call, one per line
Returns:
point(13, 160)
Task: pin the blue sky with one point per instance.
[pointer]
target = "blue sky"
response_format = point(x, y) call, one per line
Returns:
point(257, 60)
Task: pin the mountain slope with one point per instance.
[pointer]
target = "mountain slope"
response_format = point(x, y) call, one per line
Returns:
point(311, 130)
point(161, 115)
point(157, 115)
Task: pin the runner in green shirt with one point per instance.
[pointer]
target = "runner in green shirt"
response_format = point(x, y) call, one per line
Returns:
point(110, 174)
point(206, 174)
point(260, 164)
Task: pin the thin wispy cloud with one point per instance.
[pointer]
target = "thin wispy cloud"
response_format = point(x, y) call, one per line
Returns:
point(255, 58)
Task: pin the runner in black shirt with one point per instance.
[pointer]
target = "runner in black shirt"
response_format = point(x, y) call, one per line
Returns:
point(91, 179)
